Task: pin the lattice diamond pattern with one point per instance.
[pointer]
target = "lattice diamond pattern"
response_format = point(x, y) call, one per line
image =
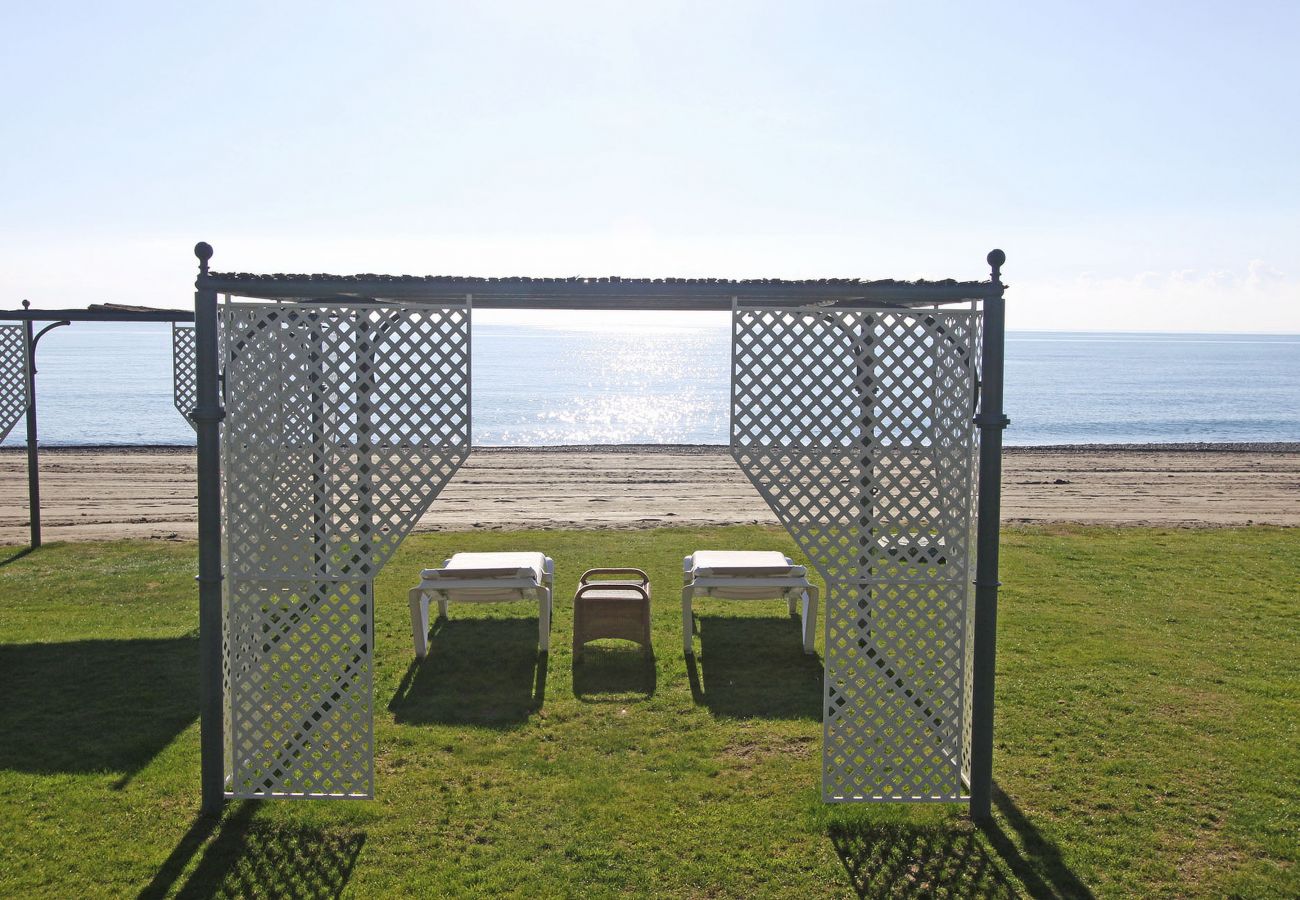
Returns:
point(343, 422)
point(342, 425)
point(300, 688)
point(184, 369)
point(856, 427)
point(13, 377)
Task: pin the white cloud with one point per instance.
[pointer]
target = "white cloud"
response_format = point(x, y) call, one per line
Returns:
point(1255, 298)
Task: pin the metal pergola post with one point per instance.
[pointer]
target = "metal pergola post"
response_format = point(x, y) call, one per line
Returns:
point(991, 421)
point(30, 340)
point(33, 453)
point(207, 417)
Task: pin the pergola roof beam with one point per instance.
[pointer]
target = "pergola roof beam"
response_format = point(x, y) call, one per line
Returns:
point(613, 293)
point(97, 314)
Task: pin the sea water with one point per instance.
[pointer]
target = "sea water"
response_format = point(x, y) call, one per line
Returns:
point(587, 383)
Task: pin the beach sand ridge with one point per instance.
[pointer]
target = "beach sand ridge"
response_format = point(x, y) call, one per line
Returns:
point(109, 493)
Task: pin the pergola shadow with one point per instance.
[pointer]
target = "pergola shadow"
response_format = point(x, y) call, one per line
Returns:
point(248, 858)
point(484, 672)
point(1037, 861)
point(17, 555)
point(755, 667)
point(95, 705)
point(893, 859)
point(899, 859)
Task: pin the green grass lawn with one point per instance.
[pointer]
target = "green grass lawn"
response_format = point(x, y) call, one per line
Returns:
point(1148, 726)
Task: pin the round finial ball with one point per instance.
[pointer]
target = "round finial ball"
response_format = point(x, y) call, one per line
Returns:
point(203, 250)
point(997, 258)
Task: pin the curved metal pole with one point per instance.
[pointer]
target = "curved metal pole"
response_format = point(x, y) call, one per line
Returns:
point(30, 341)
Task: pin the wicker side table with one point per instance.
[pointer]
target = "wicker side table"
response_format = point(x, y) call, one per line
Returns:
point(608, 608)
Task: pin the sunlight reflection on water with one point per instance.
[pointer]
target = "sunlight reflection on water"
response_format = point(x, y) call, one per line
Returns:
point(653, 386)
point(596, 384)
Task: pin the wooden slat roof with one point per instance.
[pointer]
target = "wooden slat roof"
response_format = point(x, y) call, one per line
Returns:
point(99, 312)
point(609, 292)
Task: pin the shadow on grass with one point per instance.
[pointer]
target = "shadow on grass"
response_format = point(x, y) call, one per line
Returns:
point(904, 860)
point(606, 675)
point(259, 859)
point(89, 706)
point(16, 555)
point(485, 672)
point(1037, 861)
point(755, 667)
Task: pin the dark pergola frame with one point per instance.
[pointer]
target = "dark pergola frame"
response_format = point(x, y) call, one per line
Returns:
point(611, 293)
point(106, 312)
point(615, 294)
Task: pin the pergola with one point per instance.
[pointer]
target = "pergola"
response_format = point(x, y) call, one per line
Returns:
point(18, 342)
point(331, 410)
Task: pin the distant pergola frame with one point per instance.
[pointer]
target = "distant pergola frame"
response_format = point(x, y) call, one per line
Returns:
point(867, 413)
point(18, 342)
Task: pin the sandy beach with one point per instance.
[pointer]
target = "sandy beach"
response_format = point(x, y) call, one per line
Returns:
point(106, 493)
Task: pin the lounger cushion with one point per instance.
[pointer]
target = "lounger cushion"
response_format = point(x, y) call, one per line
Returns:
point(746, 563)
point(459, 574)
point(491, 565)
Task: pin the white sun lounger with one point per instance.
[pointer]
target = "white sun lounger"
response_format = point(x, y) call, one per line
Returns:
point(484, 578)
point(747, 575)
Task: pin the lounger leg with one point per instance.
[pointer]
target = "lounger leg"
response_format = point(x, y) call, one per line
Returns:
point(810, 605)
point(443, 600)
point(419, 621)
point(688, 622)
point(548, 586)
point(544, 619)
point(790, 602)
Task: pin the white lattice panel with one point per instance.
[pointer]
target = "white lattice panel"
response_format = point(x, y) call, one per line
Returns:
point(13, 378)
point(184, 380)
point(299, 682)
point(856, 427)
point(343, 422)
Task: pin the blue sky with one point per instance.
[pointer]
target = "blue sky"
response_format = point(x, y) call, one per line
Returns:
point(1138, 162)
